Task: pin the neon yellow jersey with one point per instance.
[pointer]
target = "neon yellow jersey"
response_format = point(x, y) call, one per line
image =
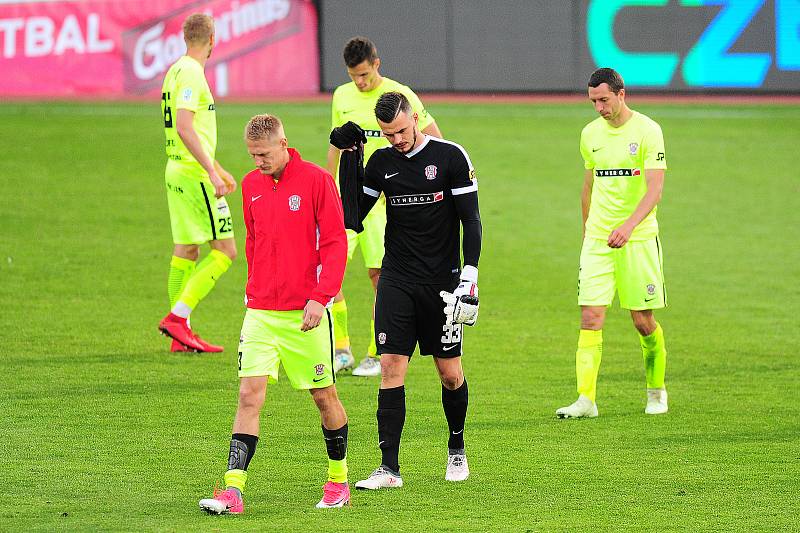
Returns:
point(350, 104)
point(185, 87)
point(619, 158)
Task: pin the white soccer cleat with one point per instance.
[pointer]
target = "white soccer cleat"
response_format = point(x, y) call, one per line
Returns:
point(656, 402)
point(343, 360)
point(369, 367)
point(381, 478)
point(582, 408)
point(457, 467)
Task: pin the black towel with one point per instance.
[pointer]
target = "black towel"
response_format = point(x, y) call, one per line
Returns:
point(351, 171)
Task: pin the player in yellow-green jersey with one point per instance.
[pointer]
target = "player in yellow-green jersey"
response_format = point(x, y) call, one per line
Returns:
point(624, 158)
point(355, 101)
point(196, 185)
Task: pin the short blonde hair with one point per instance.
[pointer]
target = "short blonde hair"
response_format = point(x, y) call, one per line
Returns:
point(198, 28)
point(264, 127)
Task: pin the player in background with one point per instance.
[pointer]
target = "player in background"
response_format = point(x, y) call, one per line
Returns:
point(623, 152)
point(424, 296)
point(355, 101)
point(296, 252)
point(196, 186)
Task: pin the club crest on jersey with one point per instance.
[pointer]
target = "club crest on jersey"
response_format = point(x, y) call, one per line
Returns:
point(381, 338)
point(430, 172)
point(634, 147)
point(319, 370)
point(294, 203)
point(651, 289)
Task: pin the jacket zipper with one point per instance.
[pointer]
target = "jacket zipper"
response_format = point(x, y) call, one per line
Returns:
point(275, 236)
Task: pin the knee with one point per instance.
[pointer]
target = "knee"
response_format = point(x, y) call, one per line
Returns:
point(391, 372)
point(374, 276)
point(324, 398)
point(251, 398)
point(187, 251)
point(452, 381)
point(230, 251)
point(592, 319)
point(644, 324)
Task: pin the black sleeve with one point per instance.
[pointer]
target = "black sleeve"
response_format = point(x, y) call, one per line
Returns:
point(351, 182)
point(468, 212)
point(464, 188)
point(351, 138)
point(370, 191)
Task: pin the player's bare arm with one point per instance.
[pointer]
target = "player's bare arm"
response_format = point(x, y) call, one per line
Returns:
point(586, 197)
point(187, 133)
point(432, 129)
point(333, 160)
point(655, 185)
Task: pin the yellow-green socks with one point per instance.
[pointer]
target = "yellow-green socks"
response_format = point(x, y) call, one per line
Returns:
point(236, 478)
point(205, 276)
point(587, 361)
point(340, 333)
point(337, 470)
point(372, 350)
point(655, 358)
point(180, 270)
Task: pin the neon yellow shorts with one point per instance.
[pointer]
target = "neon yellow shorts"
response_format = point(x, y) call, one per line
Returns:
point(272, 338)
point(371, 239)
point(635, 271)
point(195, 215)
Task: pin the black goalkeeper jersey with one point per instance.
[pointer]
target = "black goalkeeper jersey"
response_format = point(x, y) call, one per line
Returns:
point(423, 224)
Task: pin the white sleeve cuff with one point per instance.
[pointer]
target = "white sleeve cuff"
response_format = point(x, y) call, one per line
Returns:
point(469, 273)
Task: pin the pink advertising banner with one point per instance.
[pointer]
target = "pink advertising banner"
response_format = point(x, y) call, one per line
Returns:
point(119, 48)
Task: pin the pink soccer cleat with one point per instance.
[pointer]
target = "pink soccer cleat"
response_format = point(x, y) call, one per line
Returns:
point(177, 347)
point(224, 502)
point(206, 346)
point(177, 328)
point(334, 495)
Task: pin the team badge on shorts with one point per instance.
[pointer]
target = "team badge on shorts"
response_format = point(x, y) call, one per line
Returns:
point(634, 147)
point(319, 369)
point(381, 338)
point(651, 289)
point(430, 172)
point(294, 203)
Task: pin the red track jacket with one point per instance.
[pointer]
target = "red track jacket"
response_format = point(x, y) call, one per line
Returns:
point(296, 244)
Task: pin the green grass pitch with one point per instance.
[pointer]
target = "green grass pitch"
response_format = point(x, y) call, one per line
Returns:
point(103, 429)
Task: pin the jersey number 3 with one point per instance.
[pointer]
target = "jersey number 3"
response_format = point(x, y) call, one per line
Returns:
point(167, 110)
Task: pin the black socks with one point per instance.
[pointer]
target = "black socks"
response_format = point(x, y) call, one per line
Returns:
point(243, 447)
point(336, 442)
point(391, 417)
point(455, 410)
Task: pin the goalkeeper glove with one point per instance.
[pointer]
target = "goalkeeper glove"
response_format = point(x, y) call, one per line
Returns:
point(461, 306)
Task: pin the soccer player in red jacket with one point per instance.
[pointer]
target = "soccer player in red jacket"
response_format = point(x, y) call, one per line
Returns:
point(296, 252)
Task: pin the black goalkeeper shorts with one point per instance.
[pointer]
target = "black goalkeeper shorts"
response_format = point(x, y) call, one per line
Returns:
point(408, 313)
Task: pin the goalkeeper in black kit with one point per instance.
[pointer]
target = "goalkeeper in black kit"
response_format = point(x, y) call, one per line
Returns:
point(424, 295)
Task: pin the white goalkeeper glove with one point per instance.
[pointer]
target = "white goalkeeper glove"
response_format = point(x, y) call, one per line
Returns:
point(461, 306)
